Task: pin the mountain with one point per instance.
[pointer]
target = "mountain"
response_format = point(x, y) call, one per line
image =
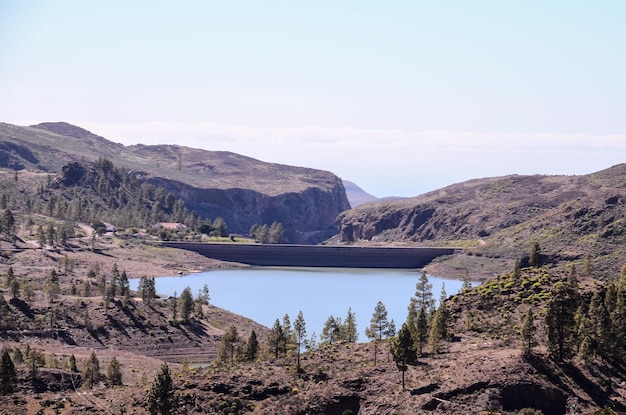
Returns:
point(571, 217)
point(356, 195)
point(241, 190)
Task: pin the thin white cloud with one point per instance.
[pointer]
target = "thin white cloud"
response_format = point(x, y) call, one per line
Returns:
point(388, 162)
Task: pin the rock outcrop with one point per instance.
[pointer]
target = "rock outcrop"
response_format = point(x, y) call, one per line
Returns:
point(308, 216)
point(242, 190)
point(569, 216)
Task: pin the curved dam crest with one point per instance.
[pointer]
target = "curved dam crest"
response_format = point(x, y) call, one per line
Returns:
point(286, 255)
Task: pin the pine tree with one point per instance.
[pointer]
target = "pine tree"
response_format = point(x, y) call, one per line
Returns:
point(72, 364)
point(411, 318)
point(185, 304)
point(8, 224)
point(517, 271)
point(18, 357)
point(583, 333)
point(572, 278)
point(33, 372)
point(174, 305)
point(600, 326)
point(379, 326)
point(289, 341)
point(15, 288)
point(421, 333)
point(467, 283)
point(424, 293)
point(391, 331)
point(252, 348)
point(52, 286)
point(227, 349)
point(403, 351)
point(618, 320)
point(6, 319)
point(114, 373)
point(51, 234)
point(41, 237)
point(115, 281)
point(330, 331)
point(160, 399)
point(276, 339)
point(8, 374)
point(528, 333)
point(91, 371)
point(588, 266)
point(124, 284)
point(205, 295)
point(147, 290)
point(559, 319)
point(351, 334)
point(438, 329)
point(198, 308)
point(10, 277)
point(299, 328)
point(535, 255)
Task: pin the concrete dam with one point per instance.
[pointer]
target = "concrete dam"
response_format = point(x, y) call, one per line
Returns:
point(316, 255)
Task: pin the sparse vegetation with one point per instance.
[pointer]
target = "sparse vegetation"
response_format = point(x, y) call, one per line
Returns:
point(547, 328)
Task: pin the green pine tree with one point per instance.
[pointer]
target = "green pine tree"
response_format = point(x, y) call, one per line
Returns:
point(559, 319)
point(72, 364)
point(114, 373)
point(424, 294)
point(421, 332)
point(535, 255)
point(403, 351)
point(277, 340)
point(299, 329)
point(185, 304)
point(161, 399)
point(252, 348)
point(91, 371)
point(378, 328)
point(351, 335)
point(8, 374)
point(528, 333)
point(228, 347)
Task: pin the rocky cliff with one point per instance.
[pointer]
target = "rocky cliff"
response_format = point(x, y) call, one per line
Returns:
point(570, 216)
point(307, 215)
point(240, 189)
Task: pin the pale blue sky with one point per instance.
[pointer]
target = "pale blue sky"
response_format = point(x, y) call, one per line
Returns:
point(400, 96)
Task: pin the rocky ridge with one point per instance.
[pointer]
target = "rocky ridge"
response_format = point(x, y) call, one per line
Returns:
point(241, 190)
point(500, 217)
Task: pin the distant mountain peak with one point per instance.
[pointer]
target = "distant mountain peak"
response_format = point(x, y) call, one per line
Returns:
point(356, 195)
point(69, 130)
point(64, 128)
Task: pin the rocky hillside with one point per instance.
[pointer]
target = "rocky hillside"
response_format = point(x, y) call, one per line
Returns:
point(242, 190)
point(501, 217)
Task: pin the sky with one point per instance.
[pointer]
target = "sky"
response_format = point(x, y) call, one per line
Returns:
point(400, 97)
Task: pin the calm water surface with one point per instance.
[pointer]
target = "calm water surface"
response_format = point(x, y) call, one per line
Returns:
point(265, 294)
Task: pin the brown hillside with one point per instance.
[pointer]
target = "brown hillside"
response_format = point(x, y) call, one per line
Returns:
point(242, 190)
point(500, 217)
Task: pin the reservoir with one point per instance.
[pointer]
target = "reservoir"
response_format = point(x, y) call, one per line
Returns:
point(264, 294)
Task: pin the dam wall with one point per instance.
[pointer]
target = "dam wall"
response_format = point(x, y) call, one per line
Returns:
point(317, 255)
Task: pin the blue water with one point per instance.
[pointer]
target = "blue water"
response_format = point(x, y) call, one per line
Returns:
point(265, 294)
